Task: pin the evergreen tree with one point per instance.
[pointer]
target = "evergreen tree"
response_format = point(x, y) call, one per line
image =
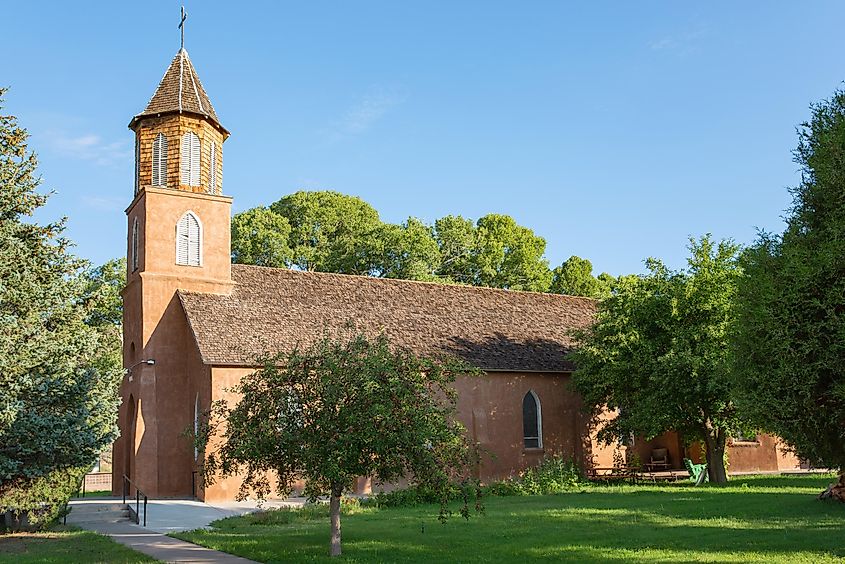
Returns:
point(57, 402)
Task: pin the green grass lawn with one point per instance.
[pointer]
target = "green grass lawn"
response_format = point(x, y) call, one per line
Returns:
point(753, 519)
point(65, 545)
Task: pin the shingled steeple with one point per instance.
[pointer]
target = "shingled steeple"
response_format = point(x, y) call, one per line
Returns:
point(179, 139)
point(180, 91)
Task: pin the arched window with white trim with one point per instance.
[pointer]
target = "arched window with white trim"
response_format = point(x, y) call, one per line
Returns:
point(189, 167)
point(212, 168)
point(532, 421)
point(159, 160)
point(135, 238)
point(189, 240)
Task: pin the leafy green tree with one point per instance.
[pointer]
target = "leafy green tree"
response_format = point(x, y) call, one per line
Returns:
point(406, 251)
point(509, 255)
point(575, 278)
point(102, 300)
point(658, 352)
point(495, 252)
point(455, 237)
point(57, 406)
point(341, 409)
point(329, 231)
point(790, 337)
point(260, 236)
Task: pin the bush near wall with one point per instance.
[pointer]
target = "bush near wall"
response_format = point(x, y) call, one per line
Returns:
point(553, 475)
point(34, 504)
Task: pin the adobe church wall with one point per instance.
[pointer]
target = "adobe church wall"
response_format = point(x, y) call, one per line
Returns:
point(490, 407)
point(763, 455)
point(156, 454)
point(158, 211)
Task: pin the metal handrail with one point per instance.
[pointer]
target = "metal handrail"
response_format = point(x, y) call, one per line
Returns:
point(138, 494)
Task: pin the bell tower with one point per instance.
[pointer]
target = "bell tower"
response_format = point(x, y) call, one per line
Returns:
point(178, 238)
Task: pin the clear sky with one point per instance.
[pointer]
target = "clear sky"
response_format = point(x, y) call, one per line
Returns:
point(613, 129)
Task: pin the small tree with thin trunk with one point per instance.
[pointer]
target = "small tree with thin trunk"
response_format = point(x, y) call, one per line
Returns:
point(340, 409)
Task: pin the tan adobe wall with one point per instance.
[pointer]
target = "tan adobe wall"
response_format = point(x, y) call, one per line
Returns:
point(162, 396)
point(490, 407)
point(158, 210)
point(765, 454)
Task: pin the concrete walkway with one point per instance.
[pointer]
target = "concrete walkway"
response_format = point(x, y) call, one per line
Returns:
point(160, 546)
point(174, 515)
point(165, 516)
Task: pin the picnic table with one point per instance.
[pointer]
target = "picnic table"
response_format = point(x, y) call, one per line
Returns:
point(632, 474)
point(615, 474)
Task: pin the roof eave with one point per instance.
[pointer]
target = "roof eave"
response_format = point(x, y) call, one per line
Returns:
point(135, 119)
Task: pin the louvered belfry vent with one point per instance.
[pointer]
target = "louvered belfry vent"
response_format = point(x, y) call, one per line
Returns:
point(189, 241)
point(190, 161)
point(160, 160)
point(212, 168)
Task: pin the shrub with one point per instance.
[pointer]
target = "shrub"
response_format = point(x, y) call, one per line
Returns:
point(408, 497)
point(34, 504)
point(553, 475)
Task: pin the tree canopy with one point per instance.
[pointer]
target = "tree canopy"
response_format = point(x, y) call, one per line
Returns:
point(260, 236)
point(337, 410)
point(328, 230)
point(58, 402)
point(790, 337)
point(575, 278)
point(658, 352)
point(331, 232)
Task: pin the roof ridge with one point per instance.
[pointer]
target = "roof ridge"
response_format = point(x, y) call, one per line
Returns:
point(468, 287)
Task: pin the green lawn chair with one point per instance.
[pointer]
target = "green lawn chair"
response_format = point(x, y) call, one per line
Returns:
point(697, 472)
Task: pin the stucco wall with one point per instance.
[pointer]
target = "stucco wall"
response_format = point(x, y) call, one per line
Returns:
point(159, 458)
point(490, 407)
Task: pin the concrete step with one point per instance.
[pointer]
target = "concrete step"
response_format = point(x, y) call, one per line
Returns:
point(98, 513)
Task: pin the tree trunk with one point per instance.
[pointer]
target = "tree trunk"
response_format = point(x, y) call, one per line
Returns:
point(714, 440)
point(334, 510)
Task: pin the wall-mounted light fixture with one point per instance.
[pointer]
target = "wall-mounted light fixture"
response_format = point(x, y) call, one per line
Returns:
point(147, 361)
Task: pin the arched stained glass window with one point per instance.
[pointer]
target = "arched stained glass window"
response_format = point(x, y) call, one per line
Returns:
point(532, 421)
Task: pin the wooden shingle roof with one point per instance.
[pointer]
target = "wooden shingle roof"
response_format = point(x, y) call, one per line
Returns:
point(180, 90)
point(274, 309)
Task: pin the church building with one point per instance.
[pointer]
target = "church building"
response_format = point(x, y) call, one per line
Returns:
point(194, 323)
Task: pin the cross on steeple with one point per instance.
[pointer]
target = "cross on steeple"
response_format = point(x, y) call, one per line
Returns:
point(182, 26)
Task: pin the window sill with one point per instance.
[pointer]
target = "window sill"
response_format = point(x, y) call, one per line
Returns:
point(745, 444)
point(539, 450)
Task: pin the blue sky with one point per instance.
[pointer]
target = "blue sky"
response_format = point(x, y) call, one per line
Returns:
point(614, 130)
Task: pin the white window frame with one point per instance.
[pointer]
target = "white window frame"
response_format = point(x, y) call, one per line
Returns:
point(199, 235)
point(135, 242)
point(190, 150)
point(158, 176)
point(539, 436)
